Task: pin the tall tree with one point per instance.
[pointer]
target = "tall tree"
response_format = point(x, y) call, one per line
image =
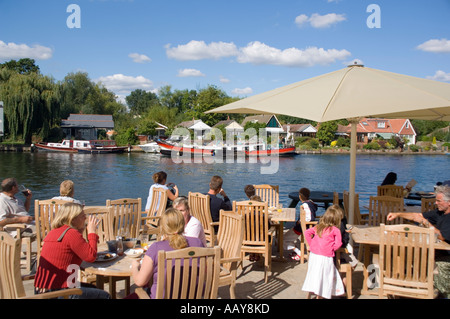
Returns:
point(31, 105)
point(23, 66)
point(140, 101)
point(207, 99)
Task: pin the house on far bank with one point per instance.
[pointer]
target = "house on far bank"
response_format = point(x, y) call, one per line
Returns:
point(370, 128)
point(86, 126)
point(271, 122)
point(299, 130)
point(232, 128)
point(198, 126)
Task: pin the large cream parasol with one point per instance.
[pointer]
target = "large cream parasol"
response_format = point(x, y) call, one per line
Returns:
point(352, 93)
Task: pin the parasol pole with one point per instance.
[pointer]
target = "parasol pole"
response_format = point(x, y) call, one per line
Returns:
point(351, 204)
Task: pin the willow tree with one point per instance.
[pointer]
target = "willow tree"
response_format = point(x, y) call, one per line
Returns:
point(31, 104)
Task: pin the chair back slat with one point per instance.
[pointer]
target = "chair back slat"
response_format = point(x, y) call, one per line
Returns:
point(390, 190)
point(157, 206)
point(126, 216)
point(381, 206)
point(428, 204)
point(11, 285)
point(406, 261)
point(44, 214)
point(268, 194)
point(199, 205)
point(189, 273)
point(105, 228)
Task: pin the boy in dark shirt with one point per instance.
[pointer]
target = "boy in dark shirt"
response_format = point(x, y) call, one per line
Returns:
point(217, 203)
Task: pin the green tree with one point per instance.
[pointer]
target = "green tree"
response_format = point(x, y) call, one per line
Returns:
point(23, 66)
point(207, 99)
point(31, 105)
point(326, 132)
point(140, 101)
point(80, 95)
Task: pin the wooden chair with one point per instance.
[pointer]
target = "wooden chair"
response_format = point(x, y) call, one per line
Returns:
point(230, 237)
point(157, 207)
point(268, 193)
point(105, 232)
point(390, 190)
point(347, 269)
point(358, 218)
point(44, 213)
point(381, 206)
point(304, 247)
point(199, 205)
point(104, 214)
point(257, 235)
point(406, 261)
point(126, 216)
point(193, 274)
point(428, 204)
point(11, 283)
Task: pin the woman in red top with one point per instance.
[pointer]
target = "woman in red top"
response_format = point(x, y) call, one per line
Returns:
point(64, 250)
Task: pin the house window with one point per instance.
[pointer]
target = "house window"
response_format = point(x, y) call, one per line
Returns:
point(407, 124)
point(381, 124)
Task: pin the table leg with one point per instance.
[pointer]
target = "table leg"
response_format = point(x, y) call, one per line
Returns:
point(366, 262)
point(100, 282)
point(280, 234)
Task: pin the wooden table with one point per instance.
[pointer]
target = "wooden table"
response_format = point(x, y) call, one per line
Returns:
point(370, 236)
point(317, 197)
point(286, 215)
point(118, 268)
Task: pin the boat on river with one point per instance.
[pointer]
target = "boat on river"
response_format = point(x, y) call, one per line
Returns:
point(82, 146)
point(249, 150)
point(151, 147)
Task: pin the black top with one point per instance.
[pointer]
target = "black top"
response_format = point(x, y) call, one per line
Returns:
point(441, 221)
point(216, 204)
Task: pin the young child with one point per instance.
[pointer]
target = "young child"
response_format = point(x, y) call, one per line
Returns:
point(323, 278)
point(291, 238)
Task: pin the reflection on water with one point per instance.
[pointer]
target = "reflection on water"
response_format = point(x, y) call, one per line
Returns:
point(111, 176)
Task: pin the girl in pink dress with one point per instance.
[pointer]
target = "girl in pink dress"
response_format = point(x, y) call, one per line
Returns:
point(323, 278)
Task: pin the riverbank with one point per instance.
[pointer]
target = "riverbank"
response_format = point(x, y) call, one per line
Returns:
point(136, 149)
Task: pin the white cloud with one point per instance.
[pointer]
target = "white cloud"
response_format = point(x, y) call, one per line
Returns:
point(440, 76)
point(224, 79)
point(260, 53)
point(244, 91)
point(15, 51)
point(257, 53)
point(189, 72)
point(320, 21)
point(435, 46)
point(199, 50)
point(139, 58)
point(119, 83)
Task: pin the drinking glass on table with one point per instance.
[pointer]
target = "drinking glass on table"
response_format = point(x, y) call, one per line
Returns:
point(144, 241)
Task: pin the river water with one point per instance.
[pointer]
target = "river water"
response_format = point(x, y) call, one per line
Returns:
point(112, 176)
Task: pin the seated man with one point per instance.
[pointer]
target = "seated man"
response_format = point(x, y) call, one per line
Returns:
point(439, 219)
point(193, 227)
point(217, 203)
point(12, 209)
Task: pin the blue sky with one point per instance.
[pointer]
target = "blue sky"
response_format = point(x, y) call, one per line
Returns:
point(244, 47)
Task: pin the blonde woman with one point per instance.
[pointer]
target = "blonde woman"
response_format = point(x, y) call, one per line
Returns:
point(172, 228)
point(64, 250)
point(67, 191)
point(323, 278)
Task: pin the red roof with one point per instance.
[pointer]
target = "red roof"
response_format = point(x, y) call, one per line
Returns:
point(377, 125)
